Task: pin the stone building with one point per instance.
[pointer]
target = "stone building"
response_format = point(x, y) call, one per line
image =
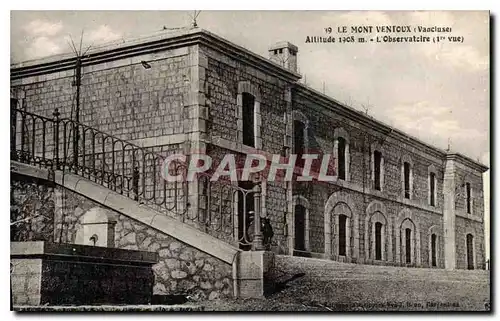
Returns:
point(395, 200)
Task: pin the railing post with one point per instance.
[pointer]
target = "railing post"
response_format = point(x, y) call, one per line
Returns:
point(13, 128)
point(257, 243)
point(56, 115)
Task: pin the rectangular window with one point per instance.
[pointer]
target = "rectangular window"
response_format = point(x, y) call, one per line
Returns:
point(248, 120)
point(468, 196)
point(407, 179)
point(432, 182)
point(377, 156)
point(341, 157)
point(299, 143)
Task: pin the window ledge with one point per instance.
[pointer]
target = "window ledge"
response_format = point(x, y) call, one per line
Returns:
point(471, 217)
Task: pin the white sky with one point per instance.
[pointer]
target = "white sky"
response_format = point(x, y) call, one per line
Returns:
point(434, 92)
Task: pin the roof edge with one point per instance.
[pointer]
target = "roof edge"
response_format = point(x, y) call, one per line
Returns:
point(469, 162)
point(368, 121)
point(145, 45)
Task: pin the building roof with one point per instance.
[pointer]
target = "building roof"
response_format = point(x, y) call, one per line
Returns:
point(144, 45)
point(370, 122)
point(164, 40)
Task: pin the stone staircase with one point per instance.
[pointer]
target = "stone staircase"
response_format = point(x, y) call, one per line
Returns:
point(345, 286)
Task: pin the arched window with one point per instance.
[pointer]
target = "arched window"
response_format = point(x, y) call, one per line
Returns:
point(300, 136)
point(377, 166)
point(248, 119)
point(407, 176)
point(248, 114)
point(341, 146)
point(377, 158)
point(432, 189)
point(468, 198)
point(342, 154)
point(470, 251)
point(432, 185)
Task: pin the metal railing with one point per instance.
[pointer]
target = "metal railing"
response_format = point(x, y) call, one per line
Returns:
point(136, 172)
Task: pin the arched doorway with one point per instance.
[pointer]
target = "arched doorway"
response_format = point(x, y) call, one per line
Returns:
point(408, 242)
point(470, 251)
point(378, 241)
point(378, 233)
point(341, 232)
point(433, 250)
point(407, 245)
point(408, 239)
point(338, 228)
point(342, 235)
point(300, 228)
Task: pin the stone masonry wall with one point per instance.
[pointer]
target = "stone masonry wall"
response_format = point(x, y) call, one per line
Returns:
point(121, 98)
point(181, 270)
point(222, 78)
point(32, 207)
point(321, 138)
point(463, 227)
point(359, 188)
point(462, 177)
point(26, 279)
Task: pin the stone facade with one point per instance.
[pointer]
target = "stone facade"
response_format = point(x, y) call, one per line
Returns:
point(31, 210)
point(192, 97)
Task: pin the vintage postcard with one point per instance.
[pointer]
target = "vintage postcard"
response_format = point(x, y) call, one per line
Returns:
point(250, 161)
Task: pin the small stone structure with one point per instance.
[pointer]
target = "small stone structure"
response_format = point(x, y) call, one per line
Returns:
point(70, 274)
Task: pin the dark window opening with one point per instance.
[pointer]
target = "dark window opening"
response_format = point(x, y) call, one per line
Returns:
point(433, 188)
point(378, 241)
point(378, 168)
point(280, 51)
point(467, 191)
point(470, 252)
point(245, 214)
point(299, 142)
point(248, 120)
point(408, 245)
point(433, 250)
point(342, 234)
point(406, 170)
point(300, 227)
point(341, 155)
